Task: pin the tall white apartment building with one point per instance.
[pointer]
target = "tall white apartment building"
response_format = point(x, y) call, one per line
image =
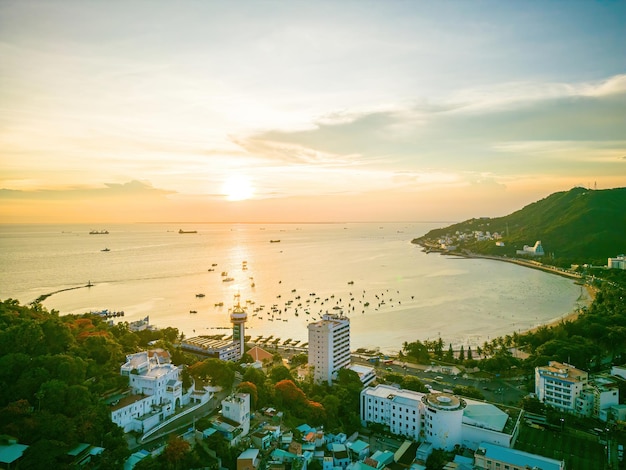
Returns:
point(329, 346)
point(559, 385)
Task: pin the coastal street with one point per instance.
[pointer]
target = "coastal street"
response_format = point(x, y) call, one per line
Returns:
point(496, 390)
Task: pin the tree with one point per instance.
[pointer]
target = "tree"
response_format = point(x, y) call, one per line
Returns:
point(250, 388)
point(279, 373)
point(175, 451)
point(417, 350)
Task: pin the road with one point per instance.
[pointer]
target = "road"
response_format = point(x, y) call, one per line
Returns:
point(496, 390)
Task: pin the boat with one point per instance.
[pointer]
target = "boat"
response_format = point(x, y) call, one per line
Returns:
point(224, 273)
point(219, 304)
point(274, 241)
point(99, 232)
point(187, 231)
point(193, 311)
point(200, 295)
point(105, 249)
point(228, 279)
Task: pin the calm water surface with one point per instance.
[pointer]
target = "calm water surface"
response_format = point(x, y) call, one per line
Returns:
point(153, 270)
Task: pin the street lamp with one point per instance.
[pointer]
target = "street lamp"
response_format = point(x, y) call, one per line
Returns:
point(562, 423)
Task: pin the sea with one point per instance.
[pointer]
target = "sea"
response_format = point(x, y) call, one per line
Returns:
point(285, 275)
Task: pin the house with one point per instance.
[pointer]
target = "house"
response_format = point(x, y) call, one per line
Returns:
point(262, 439)
point(340, 455)
point(248, 460)
point(359, 450)
point(11, 452)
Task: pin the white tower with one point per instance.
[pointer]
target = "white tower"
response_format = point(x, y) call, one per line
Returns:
point(238, 318)
point(443, 419)
point(329, 346)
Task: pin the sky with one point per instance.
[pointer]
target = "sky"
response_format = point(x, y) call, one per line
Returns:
point(301, 111)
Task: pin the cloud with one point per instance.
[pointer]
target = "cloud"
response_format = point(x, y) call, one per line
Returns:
point(477, 134)
point(132, 188)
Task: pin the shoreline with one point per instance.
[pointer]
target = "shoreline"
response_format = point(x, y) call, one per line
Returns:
point(587, 298)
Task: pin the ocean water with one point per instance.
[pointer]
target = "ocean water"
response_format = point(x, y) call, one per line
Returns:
point(152, 270)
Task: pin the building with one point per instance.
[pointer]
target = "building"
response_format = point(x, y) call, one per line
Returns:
point(559, 385)
point(248, 460)
point(206, 346)
point(329, 346)
point(238, 318)
point(536, 250)
point(442, 419)
point(366, 374)
point(493, 457)
point(155, 391)
point(569, 389)
point(234, 421)
point(618, 262)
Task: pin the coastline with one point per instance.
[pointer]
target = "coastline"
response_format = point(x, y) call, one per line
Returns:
point(588, 294)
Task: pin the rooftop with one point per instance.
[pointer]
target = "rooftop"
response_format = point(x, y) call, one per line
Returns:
point(517, 457)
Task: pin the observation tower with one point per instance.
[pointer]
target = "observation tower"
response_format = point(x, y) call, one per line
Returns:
point(238, 318)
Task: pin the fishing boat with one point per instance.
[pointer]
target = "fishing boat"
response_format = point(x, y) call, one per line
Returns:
point(187, 231)
point(105, 249)
point(228, 279)
point(200, 295)
point(99, 232)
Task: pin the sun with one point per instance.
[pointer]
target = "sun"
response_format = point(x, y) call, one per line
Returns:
point(237, 188)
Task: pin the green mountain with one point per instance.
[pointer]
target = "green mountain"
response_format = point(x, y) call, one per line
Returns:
point(580, 225)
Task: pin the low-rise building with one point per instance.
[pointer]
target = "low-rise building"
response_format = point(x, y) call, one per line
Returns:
point(205, 346)
point(535, 250)
point(492, 457)
point(248, 460)
point(442, 419)
point(619, 262)
point(234, 421)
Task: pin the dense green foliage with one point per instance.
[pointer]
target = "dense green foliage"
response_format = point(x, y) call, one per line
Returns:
point(53, 371)
point(575, 226)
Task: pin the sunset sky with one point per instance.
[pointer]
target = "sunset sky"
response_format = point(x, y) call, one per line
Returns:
point(262, 111)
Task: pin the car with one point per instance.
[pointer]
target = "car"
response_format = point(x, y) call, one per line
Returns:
point(439, 377)
point(388, 368)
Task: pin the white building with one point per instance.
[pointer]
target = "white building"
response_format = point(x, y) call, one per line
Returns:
point(569, 389)
point(442, 419)
point(559, 385)
point(329, 346)
point(234, 422)
point(155, 391)
point(366, 374)
point(536, 250)
point(618, 262)
point(206, 346)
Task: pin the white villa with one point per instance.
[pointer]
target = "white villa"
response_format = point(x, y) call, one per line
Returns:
point(155, 391)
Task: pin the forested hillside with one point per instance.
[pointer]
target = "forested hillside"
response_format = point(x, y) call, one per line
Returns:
point(580, 225)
